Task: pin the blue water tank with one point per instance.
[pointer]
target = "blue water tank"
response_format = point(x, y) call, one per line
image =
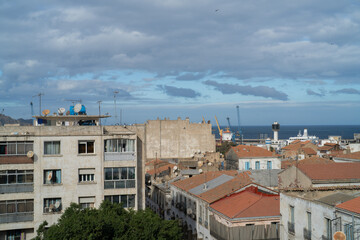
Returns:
point(83, 110)
point(72, 112)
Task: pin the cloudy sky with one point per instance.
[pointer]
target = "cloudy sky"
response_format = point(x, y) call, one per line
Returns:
point(295, 62)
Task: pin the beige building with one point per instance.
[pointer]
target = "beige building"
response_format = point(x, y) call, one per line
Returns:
point(66, 159)
point(176, 139)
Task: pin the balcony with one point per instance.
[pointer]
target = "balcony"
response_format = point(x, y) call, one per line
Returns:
point(16, 188)
point(291, 228)
point(119, 156)
point(16, 217)
point(307, 234)
point(16, 159)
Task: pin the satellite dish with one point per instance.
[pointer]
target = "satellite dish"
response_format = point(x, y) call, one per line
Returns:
point(46, 112)
point(77, 108)
point(200, 170)
point(339, 236)
point(61, 111)
point(175, 168)
point(30, 154)
point(57, 204)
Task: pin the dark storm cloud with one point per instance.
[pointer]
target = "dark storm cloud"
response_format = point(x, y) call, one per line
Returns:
point(190, 77)
point(179, 92)
point(312, 93)
point(260, 91)
point(347, 91)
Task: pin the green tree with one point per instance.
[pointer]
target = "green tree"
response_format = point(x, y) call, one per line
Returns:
point(110, 221)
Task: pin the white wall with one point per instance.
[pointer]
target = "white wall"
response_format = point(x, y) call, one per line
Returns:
point(275, 162)
point(318, 211)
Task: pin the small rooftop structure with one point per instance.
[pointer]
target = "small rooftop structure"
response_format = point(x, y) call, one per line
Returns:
point(68, 120)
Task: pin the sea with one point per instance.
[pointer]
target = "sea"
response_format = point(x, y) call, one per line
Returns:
point(286, 131)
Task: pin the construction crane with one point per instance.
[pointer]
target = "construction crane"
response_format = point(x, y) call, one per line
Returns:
point(220, 130)
point(229, 130)
point(239, 129)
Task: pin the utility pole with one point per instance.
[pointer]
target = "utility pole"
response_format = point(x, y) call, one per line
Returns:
point(115, 92)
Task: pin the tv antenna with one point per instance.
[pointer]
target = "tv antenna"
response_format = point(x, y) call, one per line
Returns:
point(39, 95)
point(99, 102)
point(115, 92)
point(74, 101)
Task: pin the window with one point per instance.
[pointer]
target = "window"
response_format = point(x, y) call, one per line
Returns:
point(128, 201)
point(86, 202)
point(16, 206)
point(123, 177)
point(120, 145)
point(14, 235)
point(348, 230)
point(328, 228)
point(52, 205)
point(309, 220)
point(247, 165)
point(257, 165)
point(52, 176)
point(52, 147)
point(86, 147)
point(292, 216)
point(16, 176)
point(201, 213)
point(87, 175)
point(269, 165)
point(15, 148)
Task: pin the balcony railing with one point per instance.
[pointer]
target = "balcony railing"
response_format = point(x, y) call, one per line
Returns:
point(291, 227)
point(17, 217)
point(307, 234)
point(119, 156)
point(16, 188)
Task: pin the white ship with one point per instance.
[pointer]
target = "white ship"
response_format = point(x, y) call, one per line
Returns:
point(304, 137)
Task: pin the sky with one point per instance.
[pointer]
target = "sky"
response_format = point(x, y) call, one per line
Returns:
point(295, 62)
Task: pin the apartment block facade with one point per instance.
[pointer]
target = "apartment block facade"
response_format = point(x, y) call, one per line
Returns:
point(45, 168)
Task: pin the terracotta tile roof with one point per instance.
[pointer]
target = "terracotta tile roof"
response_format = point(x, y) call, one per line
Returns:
point(331, 171)
point(197, 180)
point(309, 151)
point(330, 144)
point(248, 204)
point(309, 160)
point(153, 162)
point(352, 205)
point(354, 155)
point(244, 151)
point(161, 169)
point(325, 148)
point(238, 182)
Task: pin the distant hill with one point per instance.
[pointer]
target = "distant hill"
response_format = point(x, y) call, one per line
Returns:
point(8, 120)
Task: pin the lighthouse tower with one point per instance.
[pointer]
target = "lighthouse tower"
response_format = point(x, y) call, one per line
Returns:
point(276, 128)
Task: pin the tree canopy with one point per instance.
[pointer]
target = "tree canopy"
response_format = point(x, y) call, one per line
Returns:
point(110, 221)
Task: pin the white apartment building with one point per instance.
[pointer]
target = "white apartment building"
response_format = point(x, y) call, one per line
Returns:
point(246, 157)
point(65, 159)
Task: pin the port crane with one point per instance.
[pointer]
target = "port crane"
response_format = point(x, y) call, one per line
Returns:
point(239, 129)
point(220, 130)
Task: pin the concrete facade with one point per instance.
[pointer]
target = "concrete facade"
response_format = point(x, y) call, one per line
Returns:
point(81, 177)
point(168, 139)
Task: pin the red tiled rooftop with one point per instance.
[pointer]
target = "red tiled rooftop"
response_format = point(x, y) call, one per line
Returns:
point(331, 171)
point(248, 204)
point(309, 151)
point(197, 180)
point(310, 160)
point(218, 192)
point(354, 155)
point(161, 169)
point(352, 205)
point(243, 151)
